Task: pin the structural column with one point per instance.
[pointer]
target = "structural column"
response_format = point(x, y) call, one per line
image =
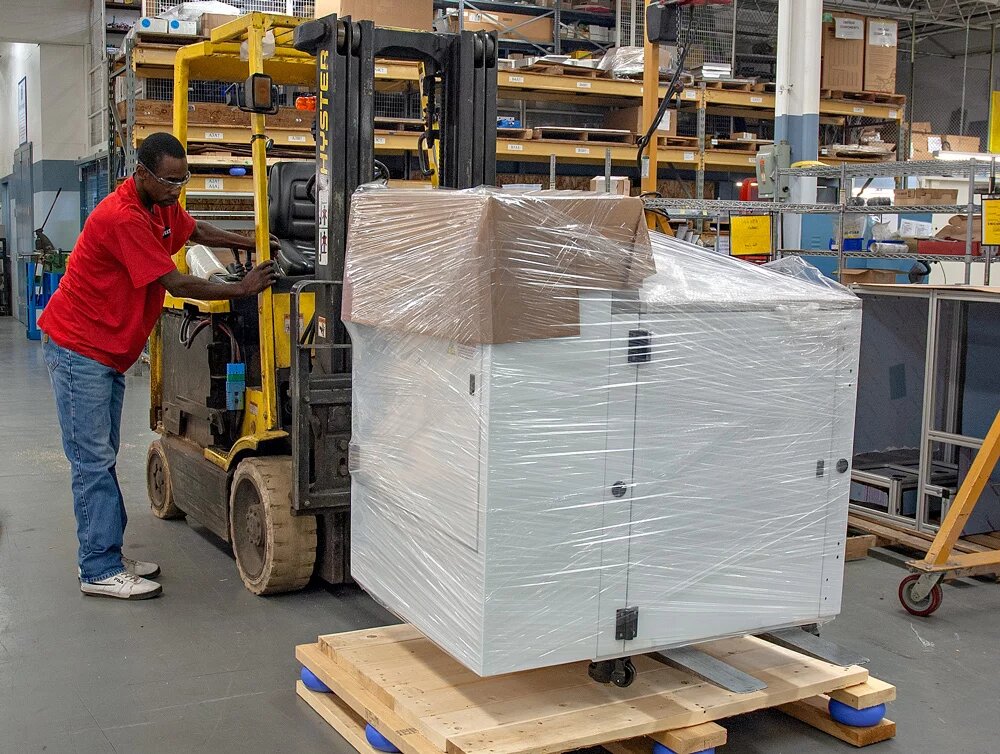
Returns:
point(796, 106)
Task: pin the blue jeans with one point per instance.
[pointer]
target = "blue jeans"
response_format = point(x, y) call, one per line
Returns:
point(89, 400)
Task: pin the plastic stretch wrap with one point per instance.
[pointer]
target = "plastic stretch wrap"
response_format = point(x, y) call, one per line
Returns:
point(558, 418)
point(627, 62)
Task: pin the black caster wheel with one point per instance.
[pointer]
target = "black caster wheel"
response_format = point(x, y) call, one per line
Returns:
point(624, 673)
point(601, 671)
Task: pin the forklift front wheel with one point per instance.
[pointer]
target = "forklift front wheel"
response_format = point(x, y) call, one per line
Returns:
point(275, 550)
point(158, 486)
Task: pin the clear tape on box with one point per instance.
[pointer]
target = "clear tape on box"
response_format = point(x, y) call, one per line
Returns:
point(562, 422)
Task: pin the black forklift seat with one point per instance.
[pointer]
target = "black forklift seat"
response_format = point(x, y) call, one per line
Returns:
point(292, 216)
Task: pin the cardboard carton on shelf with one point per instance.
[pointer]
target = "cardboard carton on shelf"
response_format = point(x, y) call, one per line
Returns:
point(630, 119)
point(867, 275)
point(620, 185)
point(743, 136)
point(880, 55)
point(527, 27)
point(923, 196)
point(843, 61)
point(413, 14)
point(924, 145)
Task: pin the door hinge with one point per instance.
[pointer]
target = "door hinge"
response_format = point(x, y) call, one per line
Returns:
point(627, 624)
point(639, 346)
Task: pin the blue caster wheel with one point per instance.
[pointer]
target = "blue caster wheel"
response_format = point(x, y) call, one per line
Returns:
point(312, 682)
point(237, 171)
point(857, 718)
point(378, 741)
point(661, 749)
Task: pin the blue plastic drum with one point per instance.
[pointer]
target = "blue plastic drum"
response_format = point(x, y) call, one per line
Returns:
point(312, 682)
point(857, 718)
point(378, 741)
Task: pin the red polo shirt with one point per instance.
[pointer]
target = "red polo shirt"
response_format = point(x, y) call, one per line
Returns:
point(109, 300)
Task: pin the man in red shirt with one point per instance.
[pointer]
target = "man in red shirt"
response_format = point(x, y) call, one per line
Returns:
point(96, 325)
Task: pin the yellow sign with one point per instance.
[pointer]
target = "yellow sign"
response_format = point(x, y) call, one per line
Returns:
point(750, 235)
point(991, 222)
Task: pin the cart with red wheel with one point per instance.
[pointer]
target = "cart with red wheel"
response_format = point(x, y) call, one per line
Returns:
point(920, 593)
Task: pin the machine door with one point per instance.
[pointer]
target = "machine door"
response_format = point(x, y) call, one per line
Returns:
point(734, 458)
point(618, 475)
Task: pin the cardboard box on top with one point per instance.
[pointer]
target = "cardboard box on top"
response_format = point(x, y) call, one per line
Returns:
point(412, 14)
point(880, 55)
point(843, 66)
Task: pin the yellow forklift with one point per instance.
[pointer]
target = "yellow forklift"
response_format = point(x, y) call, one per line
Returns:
point(252, 399)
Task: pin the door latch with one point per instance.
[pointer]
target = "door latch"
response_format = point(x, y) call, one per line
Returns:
point(639, 346)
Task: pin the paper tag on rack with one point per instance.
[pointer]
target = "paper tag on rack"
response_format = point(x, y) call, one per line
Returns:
point(213, 184)
point(214, 135)
point(516, 79)
point(689, 157)
point(379, 141)
point(515, 147)
point(583, 85)
point(297, 138)
point(756, 100)
point(381, 70)
point(859, 110)
point(849, 28)
point(583, 150)
point(893, 113)
point(690, 94)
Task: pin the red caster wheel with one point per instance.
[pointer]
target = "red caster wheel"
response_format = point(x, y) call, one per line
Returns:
point(923, 607)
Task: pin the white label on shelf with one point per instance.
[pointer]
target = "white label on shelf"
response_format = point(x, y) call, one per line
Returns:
point(715, 142)
point(756, 100)
point(299, 138)
point(515, 147)
point(859, 110)
point(690, 94)
point(379, 140)
point(893, 114)
point(475, 17)
point(583, 150)
point(583, 85)
point(381, 70)
point(752, 160)
point(689, 157)
point(213, 184)
point(516, 79)
point(214, 135)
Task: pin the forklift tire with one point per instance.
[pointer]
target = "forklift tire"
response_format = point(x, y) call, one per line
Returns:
point(158, 486)
point(275, 550)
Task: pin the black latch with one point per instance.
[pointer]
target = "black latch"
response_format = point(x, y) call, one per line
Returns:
point(639, 346)
point(627, 624)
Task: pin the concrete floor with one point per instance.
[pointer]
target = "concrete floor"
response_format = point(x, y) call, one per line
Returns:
point(210, 668)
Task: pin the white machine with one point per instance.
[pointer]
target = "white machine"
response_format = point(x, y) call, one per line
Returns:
point(677, 471)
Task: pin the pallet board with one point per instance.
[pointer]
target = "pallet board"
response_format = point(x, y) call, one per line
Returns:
point(426, 702)
point(888, 533)
point(594, 135)
point(559, 69)
point(858, 546)
point(875, 97)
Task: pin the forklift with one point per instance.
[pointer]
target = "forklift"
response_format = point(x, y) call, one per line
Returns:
point(252, 398)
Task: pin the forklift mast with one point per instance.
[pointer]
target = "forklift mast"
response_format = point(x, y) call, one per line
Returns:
point(459, 86)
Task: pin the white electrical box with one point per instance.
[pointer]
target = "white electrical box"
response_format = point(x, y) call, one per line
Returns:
point(152, 25)
point(182, 28)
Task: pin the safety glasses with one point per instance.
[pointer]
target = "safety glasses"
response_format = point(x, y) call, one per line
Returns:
point(171, 182)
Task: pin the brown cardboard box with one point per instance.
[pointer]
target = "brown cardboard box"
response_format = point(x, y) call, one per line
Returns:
point(210, 21)
point(925, 144)
point(528, 27)
point(921, 127)
point(412, 14)
point(912, 197)
point(868, 275)
point(620, 185)
point(630, 119)
point(880, 55)
point(953, 143)
point(843, 65)
point(481, 267)
point(743, 136)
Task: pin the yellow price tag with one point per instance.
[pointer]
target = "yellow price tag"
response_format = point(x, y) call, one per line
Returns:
point(991, 222)
point(750, 235)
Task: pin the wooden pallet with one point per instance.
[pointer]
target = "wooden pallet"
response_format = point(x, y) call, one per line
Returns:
point(739, 145)
point(729, 85)
point(858, 546)
point(594, 135)
point(514, 133)
point(557, 69)
point(876, 97)
point(888, 533)
point(679, 142)
point(425, 702)
point(768, 87)
point(406, 125)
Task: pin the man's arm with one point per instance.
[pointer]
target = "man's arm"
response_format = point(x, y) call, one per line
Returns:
point(188, 286)
point(209, 235)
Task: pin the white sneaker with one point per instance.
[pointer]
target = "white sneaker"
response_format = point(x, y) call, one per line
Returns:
point(141, 568)
point(124, 586)
point(136, 567)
